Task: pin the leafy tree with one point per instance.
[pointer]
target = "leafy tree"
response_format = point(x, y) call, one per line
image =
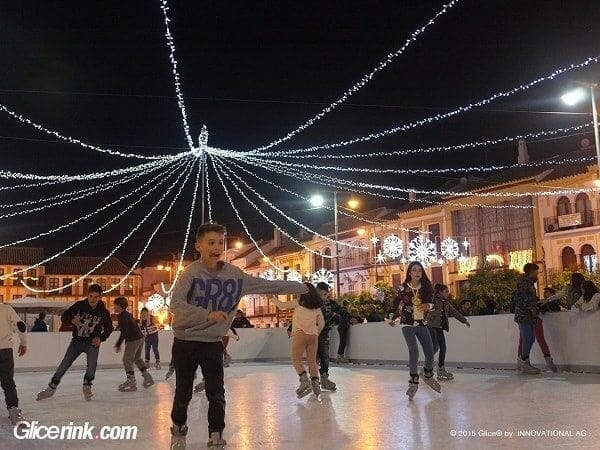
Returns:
point(365, 300)
point(488, 283)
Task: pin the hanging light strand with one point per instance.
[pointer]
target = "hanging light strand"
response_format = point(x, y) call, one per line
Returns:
point(207, 184)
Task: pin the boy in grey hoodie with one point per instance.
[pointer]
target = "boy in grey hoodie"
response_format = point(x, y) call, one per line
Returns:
point(204, 304)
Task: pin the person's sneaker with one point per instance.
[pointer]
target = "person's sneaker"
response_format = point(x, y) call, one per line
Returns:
point(199, 387)
point(519, 364)
point(305, 386)
point(170, 372)
point(550, 364)
point(15, 415)
point(443, 374)
point(431, 381)
point(87, 392)
point(316, 387)
point(413, 386)
point(157, 365)
point(46, 393)
point(216, 440)
point(178, 435)
point(129, 386)
point(528, 369)
point(148, 380)
point(326, 383)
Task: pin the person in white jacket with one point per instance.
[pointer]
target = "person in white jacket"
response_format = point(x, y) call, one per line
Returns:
point(590, 300)
point(10, 322)
point(307, 324)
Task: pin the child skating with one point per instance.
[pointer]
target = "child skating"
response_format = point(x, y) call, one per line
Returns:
point(10, 322)
point(150, 332)
point(307, 324)
point(92, 325)
point(134, 341)
point(414, 300)
point(437, 322)
point(204, 304)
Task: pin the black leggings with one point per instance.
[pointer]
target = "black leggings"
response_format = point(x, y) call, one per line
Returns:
point(439, 342)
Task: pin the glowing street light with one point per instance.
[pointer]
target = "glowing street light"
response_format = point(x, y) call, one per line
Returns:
point(317, 200)
point(353, 203)
point(573, 97)
point(361, 231)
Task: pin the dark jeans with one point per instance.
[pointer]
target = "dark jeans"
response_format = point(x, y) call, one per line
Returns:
point(411, 334)
point(187, 356)
point(76, 348)
point(7, 377)
point(527, 333)
point(323, 352)
point(152, 343)
point(439, 343)
point(343, 340)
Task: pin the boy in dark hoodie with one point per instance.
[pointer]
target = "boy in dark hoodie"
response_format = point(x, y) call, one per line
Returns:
point(92, 325)
point(525, 300)
point(134, 341)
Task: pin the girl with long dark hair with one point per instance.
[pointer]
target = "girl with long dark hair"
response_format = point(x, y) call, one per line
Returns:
point(590, 298)
point(414, 300)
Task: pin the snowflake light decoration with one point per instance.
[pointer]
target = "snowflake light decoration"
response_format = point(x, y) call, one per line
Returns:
point(380, 258)
point(322, 275)
point(270, 274)
point(294, 275)
point(374, 240)
point(423, 250)
point(155, 302)
point(449, 249)
point(393, 246)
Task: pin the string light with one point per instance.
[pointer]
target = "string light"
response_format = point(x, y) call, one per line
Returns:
point(363, 81)
point(176, 79)
point(85, 238)
point(459, 110)
point(207, 184)
point(465, 146)
point(96, 211)
point(291, 219)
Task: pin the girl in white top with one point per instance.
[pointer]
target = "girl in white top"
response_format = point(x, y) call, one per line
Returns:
point(307, 323)
point(590, 300)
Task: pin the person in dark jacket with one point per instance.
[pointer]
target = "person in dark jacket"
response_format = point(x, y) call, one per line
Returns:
point(331, 313)
point(489, 309)
point(241, 321)
point(343, 328)
point(92, 325)
point(437, 322)
point(134, 341)
point(39, 324)
point(355, 318)
point(411, 306)
point(150, 332)
point(525, 301)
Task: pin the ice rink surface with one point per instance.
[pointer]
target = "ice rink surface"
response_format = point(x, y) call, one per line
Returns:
point(369, 410)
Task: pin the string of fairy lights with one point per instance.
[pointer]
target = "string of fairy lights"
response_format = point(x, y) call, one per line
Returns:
point(237, 173)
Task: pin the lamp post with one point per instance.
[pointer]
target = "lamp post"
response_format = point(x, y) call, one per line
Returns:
point(572, 98)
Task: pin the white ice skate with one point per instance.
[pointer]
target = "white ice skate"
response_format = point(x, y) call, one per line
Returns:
point(129, 386)
point(148, 380)
point(413, 386)
point(316, 388)
point(87, 392)
point(550, 364)
point(431, 382)
point(216, 441)
point(199, 387)
point(305, 386)
point(157, 365)
point(226, 360)
point(170, 372)
point(327, 384)
point(443, 374)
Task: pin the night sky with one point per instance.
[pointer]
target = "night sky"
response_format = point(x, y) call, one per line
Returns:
point(253, 71)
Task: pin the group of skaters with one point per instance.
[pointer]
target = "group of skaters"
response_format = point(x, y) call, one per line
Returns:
point(204, 306)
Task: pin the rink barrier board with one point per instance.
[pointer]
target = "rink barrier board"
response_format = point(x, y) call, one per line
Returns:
point(490, 343)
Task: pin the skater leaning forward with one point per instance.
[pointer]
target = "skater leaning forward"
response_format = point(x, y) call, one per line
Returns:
point(204, 304)
point(414, 300)
point(92, 325)
point(134, 341)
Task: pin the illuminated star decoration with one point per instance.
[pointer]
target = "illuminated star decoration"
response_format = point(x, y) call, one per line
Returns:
point(374, 240)
point(322, 276)
point(392, 246)
point(449, 249)
point(423, 250)
point(380, 258)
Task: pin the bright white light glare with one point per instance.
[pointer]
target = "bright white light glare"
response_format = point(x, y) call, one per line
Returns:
point(317, 200)
point(573, 97)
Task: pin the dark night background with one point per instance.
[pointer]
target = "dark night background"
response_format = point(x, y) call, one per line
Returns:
point(253, 71)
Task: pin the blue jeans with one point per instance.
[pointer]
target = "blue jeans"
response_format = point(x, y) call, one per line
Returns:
point(152, 343)
point(439, 342)
point(76, 348)
point(411, 334)
point(527, 339)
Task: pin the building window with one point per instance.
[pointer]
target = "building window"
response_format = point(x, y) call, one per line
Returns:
point(363, 284)
point(32, 273)
point(16, 296)
point(327, 262)
point(68, 290)
point(588, 258)
point(53, 283)
point(115, 282)
point(434, 235)
point(582, 203)
point(86, 285)
point(413, 233)
point(569, 259)
point(563, 206)
point(102, 283)
point(1, 277)
point(128, 287)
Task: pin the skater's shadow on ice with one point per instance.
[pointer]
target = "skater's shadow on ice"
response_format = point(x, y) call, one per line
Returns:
point(320, 415)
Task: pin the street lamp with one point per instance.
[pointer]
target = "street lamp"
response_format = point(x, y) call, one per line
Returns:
point(577, 95)
point(238, 244)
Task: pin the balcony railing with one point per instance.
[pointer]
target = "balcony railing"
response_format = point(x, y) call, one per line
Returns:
point(583, 219)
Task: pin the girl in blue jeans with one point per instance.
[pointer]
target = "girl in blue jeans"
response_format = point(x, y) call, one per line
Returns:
point(414, 300)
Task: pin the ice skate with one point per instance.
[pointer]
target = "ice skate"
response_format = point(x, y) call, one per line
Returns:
point(305, 386)
point(413, 386)
point(129, 386)
point(216, 441)
point(519, 364)
point(431, 382)
point(15, 415)
point(226, 360)
point(528, 369)
point(550, 364)
point(157, 365)
point(178, 435)
point(316, 387)
point(443, 374)
point(170, 372)
point(342, 360)
point(87, 392)
point(148, 380)
point(199, 387)
point(46, 393)
point(327, 384)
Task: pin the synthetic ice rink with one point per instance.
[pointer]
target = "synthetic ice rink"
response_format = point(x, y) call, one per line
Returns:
point(369, 410)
